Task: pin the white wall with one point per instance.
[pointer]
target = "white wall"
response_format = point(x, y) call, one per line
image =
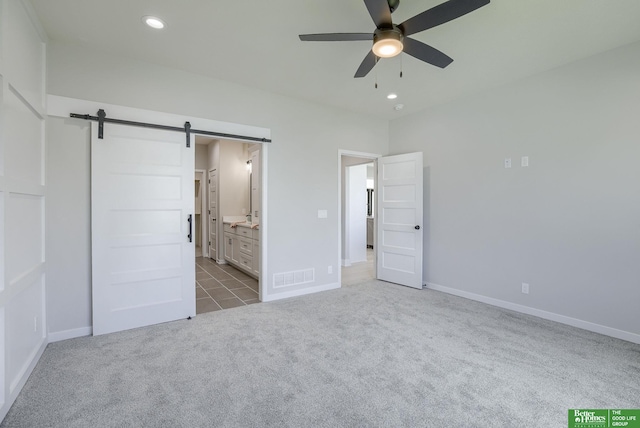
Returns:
point(233, 179)
point(69, 271)
point(202, 163)
point(356, 213)
point(567, 224)
point(202, 157)
point(22, 197)
point(302, 160)
point(370, 177)
point(213, 153)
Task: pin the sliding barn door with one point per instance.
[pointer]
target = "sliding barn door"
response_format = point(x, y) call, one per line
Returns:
point(399, 237)
point(142, 202)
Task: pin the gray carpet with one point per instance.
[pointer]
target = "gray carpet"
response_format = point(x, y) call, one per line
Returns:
point(370, 355)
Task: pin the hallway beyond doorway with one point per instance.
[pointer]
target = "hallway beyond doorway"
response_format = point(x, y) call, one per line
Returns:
point(359, 272)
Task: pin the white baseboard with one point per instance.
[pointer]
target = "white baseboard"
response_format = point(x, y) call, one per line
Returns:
point(57, 336)
point(346, 262)
point(301, 292)
point(574, 322)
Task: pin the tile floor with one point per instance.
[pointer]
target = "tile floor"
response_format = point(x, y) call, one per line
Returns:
point(222, 287)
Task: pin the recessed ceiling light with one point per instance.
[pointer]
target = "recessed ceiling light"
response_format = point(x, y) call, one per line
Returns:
point(392, 96)
point(154, 22)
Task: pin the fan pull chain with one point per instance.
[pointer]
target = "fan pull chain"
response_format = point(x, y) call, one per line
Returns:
point(376, 85)
point(401, 66)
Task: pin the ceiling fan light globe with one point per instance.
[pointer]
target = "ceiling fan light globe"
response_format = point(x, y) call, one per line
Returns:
point(387, 42)
point(387, 48)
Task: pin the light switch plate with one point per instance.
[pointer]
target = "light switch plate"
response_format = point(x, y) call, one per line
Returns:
point(524, 161)
point(322, 213)
point(507, 162)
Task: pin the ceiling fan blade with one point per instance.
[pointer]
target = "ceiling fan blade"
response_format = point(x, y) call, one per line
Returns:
point(380, 12)
point(440, 14)
point(426, 53)
point(367, 64)
point(335, 37)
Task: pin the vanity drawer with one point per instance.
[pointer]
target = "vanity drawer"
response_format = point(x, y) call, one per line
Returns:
point(245, 261)
point(244, 231)
point(228, 228)
point(245, 245)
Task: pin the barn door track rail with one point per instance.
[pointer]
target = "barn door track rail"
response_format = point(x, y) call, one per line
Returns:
point(102, 118)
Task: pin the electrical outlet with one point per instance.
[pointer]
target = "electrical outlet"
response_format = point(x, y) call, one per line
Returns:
point(330, 269)
point(507, 162)
point(525, 288)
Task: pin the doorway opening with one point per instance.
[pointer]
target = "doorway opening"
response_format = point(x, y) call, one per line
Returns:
point(227, 273)
point(357, 224)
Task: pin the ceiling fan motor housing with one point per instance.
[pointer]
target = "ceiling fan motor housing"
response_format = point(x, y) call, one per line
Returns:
point(388, 33)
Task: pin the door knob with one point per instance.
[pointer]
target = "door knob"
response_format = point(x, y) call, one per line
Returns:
point(417, 227)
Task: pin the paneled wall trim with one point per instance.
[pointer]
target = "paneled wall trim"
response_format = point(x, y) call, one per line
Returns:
point(22, 196)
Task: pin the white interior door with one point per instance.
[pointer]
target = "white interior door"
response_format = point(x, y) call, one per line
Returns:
point(142, 198)
point(399, 234)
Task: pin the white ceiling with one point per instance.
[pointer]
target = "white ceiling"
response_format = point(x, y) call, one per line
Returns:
point(255, 43)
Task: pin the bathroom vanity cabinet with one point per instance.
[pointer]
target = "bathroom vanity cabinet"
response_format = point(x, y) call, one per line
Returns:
point(241, 247)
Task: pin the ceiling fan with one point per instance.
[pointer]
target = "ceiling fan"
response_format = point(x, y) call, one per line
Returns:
point(390, 39)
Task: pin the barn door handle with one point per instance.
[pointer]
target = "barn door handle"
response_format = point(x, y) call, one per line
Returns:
point(190, 220)
point(417, 227)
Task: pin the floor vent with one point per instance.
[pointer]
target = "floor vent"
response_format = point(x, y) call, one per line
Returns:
point(288, 279)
